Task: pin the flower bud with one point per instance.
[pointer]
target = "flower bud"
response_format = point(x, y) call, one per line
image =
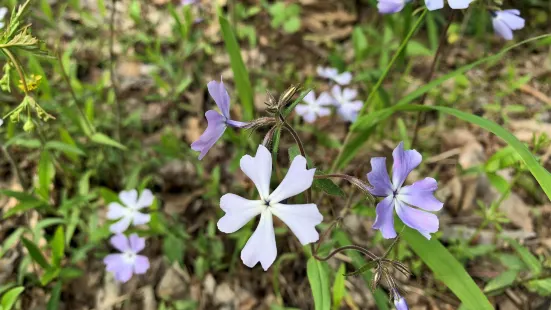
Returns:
point(29, 125)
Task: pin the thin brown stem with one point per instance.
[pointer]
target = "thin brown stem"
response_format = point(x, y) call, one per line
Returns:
point(325, 233)
point(442, 42)
point(344, 248)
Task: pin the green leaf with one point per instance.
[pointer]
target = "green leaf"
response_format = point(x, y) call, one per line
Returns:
point(11, 240)
point(530, 260)
point(292, 25)
point(292, 106)
point(100, 138)
point(328, 186)
point(49, 275)
point(9, 299)
point(318, 276)
point(35, 253)
point(46, 174)
point(58, 246)
point(64, 147)
point(339, 290)
point(542, 176)
point(502, 281)
point(360, 43)
point(53, 303)
point(447, 269)
point(24, 206)
point(293, 152)
point(240, 74)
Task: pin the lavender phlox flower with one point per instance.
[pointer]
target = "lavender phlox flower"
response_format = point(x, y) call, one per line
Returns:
point(3, 12)
point(216, 122)
point(396, 196)
point(1, 122)
point(400, 302)
point(123, 265)
point(301, 218)
point(391, 6)
point(454, 4)
point(314, 107)
point(506, 21)
point(343, 99)
point(129, 211)
point(333, 74)
point(188, 2)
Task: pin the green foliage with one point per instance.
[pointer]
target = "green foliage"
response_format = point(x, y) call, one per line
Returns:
point(318, 276)
point(10, 297)
point(286, 16)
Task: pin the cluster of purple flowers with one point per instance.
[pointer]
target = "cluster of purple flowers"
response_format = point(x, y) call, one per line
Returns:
point(343, 99)
point(504, 22)
point(128, 262)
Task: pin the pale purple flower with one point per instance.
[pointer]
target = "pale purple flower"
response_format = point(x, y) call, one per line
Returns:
point(301, 218)
point(3, 12)
point(420, 194)
point(400, 302)
point(314, 108)
point(123, 265)
point(1, 122)
point(391, 6)
point(188, 2)
point(217, 122)
point(505, 22)
point(129, 212)
point(454, 4)
point(343, 99)
point(333, 74)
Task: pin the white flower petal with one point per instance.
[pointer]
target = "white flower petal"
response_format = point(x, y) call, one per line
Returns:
point(344, 78)
point(261, 246)
point(116, 211)
point(239, 211)
point(145, 200)
point(129, 198)
point(259, 169)
point(120, 226)
point(301, 219)
point(297, 180)
point(310, 97)
point(140, 218)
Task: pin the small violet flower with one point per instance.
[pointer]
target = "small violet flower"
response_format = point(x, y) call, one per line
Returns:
point(128, 262)
point(130, 211)
point(315, 107)
point(505, 22)
point(188, 2)
point(454, 4)
point(391, 6)
point(419, 194)
point(333, 74)
point(217, 122)
point(301, 218)
point(400, 302)
point(3, 12)
point(343, 99)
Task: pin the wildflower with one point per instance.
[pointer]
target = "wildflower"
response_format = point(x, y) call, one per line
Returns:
point(3, 12)
point(454, 4)
point(130, 211)
point(123, 265)
point(347, 107)
point(1, 122)
point(301, 218)
point(505, 22)
point(217, 122)
point(419, 194)
point(315, 107)
point(391, 6)
point(400, 302)
point(188, 2)
point(333, 74)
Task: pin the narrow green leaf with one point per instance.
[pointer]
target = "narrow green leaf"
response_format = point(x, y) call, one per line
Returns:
point(328, 186)
point(100, 138)
point(275, 143)
point(53, 303)
point(11, 240)
point(447, 269)
point(64, 147)
point(49, 275)
point(240, 74)
point(58, 246)
point(24, 206)
point(339, 289)
point(35, 253)
point(318, 276)
point(46, 174)
point(9, 299)
point(293, 152)
point(502, 281)
point(292, 106)
point(530, 260)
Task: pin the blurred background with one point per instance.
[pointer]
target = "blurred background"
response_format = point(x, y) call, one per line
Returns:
point(136, 71)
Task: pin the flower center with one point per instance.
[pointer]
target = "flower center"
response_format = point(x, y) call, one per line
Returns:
point(129, 257)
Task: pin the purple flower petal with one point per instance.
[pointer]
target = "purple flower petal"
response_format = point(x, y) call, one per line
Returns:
point(404, 163)
point(220, 95)
point(120, 242)
point(239, 211)
point(137, 244)
point(112, 261)
point(297, 180)
point(400, 303)
point(390, 6)
point(385, 218)
point(215, 129)
point(236, 124)
point(259, 169)
point(378, 178)
point(459, 4)
point(129, 198)
point(301, 219)
point(261, 246)
point(434, 4)
point(343, 79)
point(421, 195)
point(424, 222)
point(505, 22)
point(141, 264)
point(139, 218)
point(123, 273)
point(121, 226)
